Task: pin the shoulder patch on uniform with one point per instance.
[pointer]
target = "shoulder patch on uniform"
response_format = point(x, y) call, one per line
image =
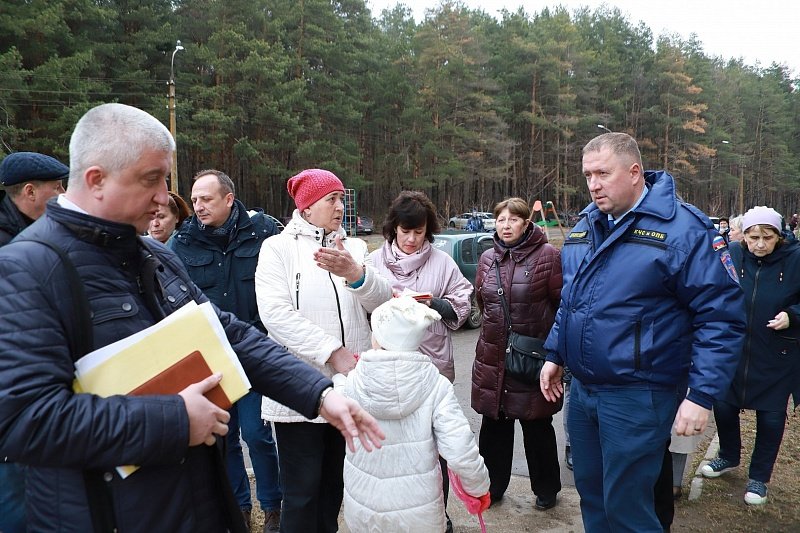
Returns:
point(727, 262)
point(578, 234)
point(718, 243)
point(649, 234)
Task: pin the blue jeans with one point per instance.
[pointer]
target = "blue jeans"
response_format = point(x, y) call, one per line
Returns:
point(12, 498)
point(769, 434)
point(246, 414)
point(618, 435)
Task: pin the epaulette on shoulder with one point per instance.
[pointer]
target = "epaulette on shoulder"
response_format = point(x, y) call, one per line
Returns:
point(697, 213)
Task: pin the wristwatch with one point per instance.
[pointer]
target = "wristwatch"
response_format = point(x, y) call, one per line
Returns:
point(322, 396)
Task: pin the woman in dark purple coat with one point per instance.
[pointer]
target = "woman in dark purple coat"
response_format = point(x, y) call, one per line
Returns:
point(529, 271)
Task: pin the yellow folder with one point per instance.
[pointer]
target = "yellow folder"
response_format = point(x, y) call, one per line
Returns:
point(128, 364)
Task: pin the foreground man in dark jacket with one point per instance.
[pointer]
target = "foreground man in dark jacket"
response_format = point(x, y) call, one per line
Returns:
point(650, 301)
point(119, 158)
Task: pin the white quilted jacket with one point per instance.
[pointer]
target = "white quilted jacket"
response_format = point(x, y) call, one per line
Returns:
point(307, 309)
point(399, 486)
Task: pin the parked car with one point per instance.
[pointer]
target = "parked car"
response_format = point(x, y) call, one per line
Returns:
point(461, 221)
point(364, 225)
point(466, 249)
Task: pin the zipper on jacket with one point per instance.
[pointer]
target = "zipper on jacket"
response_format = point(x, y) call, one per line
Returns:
point(748, 334)
point(297, 290)
point(338, 308)
point(637, 345)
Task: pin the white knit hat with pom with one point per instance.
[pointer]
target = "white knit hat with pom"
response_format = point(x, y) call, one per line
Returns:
point(400, 324)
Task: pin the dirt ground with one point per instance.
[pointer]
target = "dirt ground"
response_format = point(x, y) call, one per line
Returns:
point(720, 507)
point(721, 504)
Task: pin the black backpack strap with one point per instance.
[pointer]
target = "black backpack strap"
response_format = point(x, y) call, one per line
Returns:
point(81, 341)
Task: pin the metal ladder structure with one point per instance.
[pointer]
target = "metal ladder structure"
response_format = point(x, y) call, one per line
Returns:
point(349, 222)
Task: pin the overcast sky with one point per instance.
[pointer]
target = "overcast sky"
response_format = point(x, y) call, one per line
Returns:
point(757, 31)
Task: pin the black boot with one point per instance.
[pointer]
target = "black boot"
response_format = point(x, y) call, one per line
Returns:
point(246, 517)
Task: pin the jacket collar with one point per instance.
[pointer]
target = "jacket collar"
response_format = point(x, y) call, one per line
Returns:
point(299, 226)
point(94, 230)
point(402, 264)
point(532, 239)
point(192, 226)
point(11, 219)
point(659, 202)
point(778, 254)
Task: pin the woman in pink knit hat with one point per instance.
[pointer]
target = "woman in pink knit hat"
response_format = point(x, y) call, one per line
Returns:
point(314, 288)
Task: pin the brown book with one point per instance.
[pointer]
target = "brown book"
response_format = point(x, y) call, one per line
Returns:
point(189, 370)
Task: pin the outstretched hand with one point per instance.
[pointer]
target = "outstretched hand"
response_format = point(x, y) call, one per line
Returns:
point(338, 261)
point(550, 381)
point(352, 421)
point(206, 420)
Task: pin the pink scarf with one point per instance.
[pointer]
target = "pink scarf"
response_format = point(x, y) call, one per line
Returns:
point(404, 265)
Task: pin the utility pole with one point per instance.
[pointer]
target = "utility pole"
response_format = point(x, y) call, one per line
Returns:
point(173, 175)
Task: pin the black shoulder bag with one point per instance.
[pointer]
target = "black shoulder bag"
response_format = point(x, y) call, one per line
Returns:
point(525, 355)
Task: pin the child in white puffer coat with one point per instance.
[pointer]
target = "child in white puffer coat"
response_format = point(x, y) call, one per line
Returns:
point(399, 486)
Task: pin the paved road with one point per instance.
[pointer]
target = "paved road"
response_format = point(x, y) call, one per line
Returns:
point(516, 512)
point(464, 341)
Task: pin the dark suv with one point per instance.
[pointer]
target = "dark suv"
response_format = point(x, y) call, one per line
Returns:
point(466, 248)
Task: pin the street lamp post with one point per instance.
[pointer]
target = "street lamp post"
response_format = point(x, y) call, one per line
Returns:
point(602, 127)
point(173, 175)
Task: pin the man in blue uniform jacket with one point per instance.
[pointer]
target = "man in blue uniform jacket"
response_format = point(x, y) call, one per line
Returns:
point(119, 159)
point(650, 302)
